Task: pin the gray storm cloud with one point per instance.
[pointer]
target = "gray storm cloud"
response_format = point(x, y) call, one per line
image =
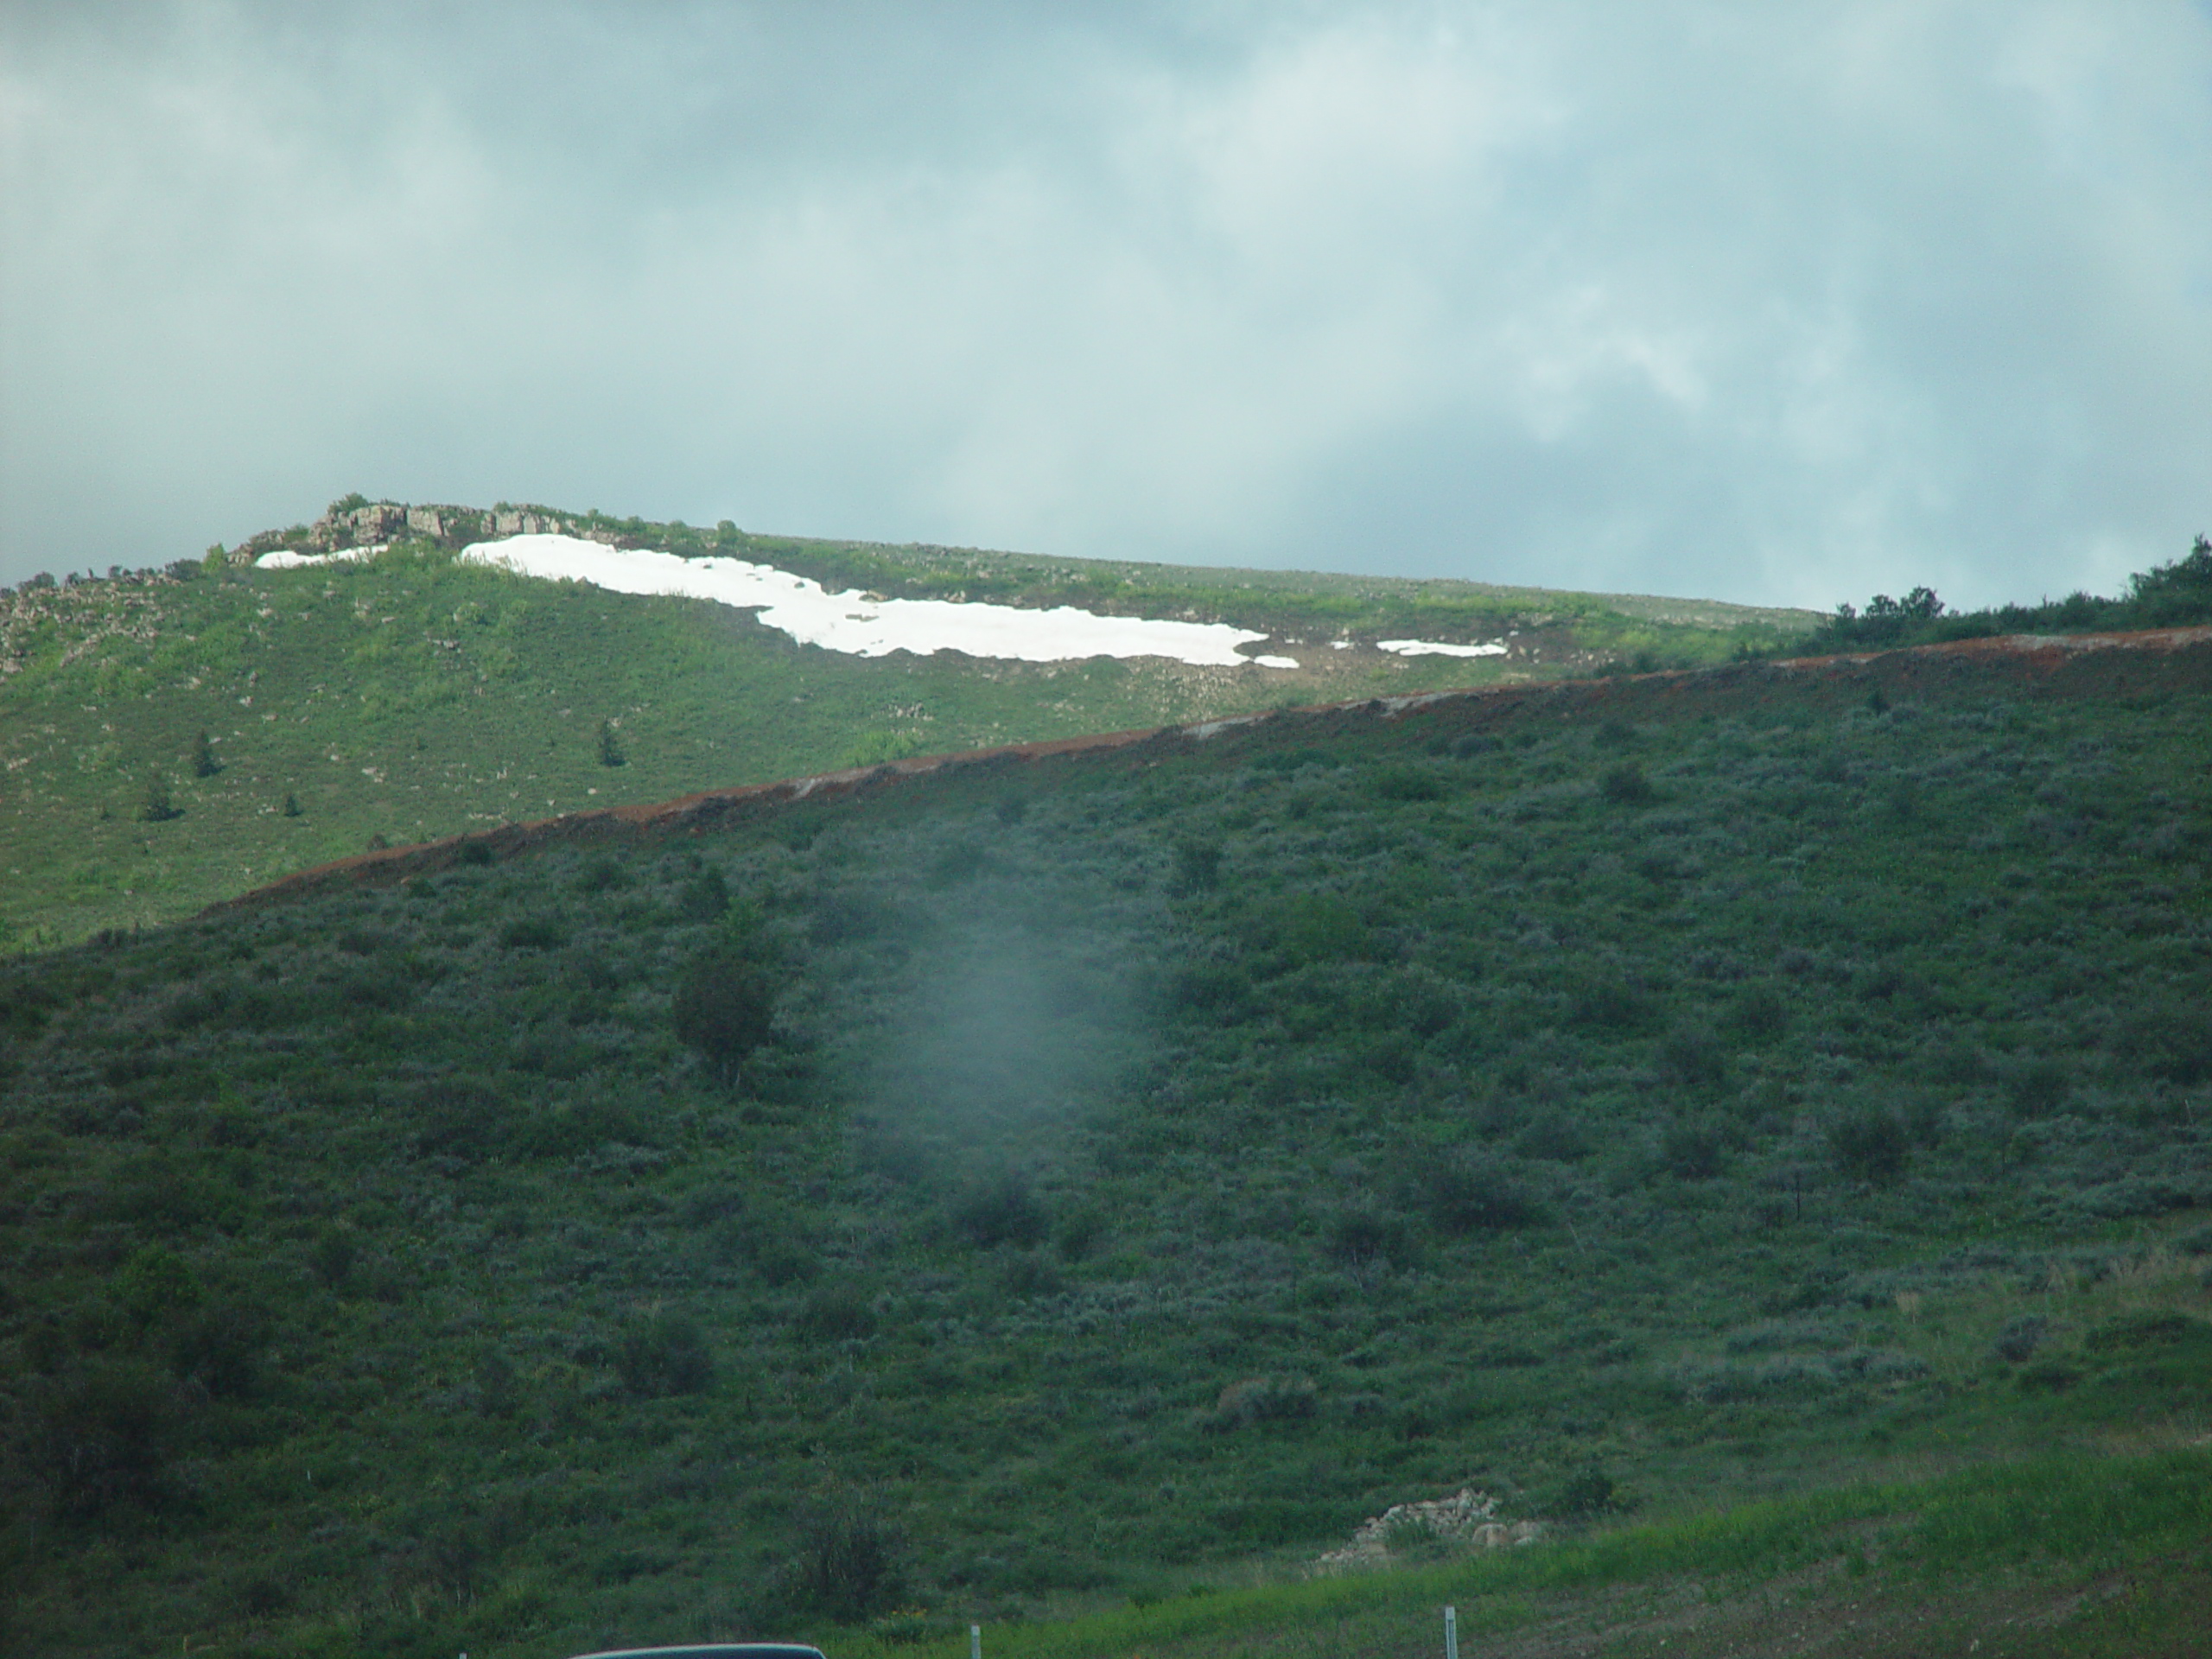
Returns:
point(1780, 304)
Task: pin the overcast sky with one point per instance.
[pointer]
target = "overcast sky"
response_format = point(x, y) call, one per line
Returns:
point(1775, 304)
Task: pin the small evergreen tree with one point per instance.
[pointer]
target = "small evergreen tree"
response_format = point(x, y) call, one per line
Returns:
point(610, 746)
point(205, 764)
point(159, 808)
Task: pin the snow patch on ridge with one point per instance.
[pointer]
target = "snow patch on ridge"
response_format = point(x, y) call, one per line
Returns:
point(1431, 648)
point(285, 559)
point(855, 623)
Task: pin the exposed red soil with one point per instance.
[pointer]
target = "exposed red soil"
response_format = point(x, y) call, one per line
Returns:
point(2081, 664)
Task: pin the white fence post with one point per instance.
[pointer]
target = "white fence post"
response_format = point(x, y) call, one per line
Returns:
point(975, 1642)
point(1451, 1633)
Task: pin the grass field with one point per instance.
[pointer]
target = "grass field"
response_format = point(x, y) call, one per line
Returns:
point(410, 697)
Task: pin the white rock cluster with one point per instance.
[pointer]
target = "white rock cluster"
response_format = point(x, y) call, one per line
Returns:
point(1467, 1518)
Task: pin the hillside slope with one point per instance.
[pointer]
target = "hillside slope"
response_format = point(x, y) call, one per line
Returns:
point(1054, 1177)
point(410, 696)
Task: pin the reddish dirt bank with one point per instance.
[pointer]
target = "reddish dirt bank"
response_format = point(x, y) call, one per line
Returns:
point(2082, 664)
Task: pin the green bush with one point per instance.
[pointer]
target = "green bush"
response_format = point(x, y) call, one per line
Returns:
point(851, 1560)
point(1691, 1151)
point(2022, 1335)
point(663, 1356)
point(1406, 783)
point(1262, 1400)
point(1000, 1210)
point(103, 1435)
point(724, 1009)
point(1466, 1189)
point(833, 1313)
point(1626, 785)
point(1366, 1238)
point(1869, 1143)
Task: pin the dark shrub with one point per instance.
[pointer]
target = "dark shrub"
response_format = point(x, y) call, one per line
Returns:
point(1869, 1143)
point(724, 1006)
point(1406, 784)
point(2038, 1088)
point(780, 1259)
point(1467, 1190)
point(1626, 785)
point(463, 1118)
point(1208, 990)
point(602, 874)
point(204, 762)
point(2173, 1042)
point(1001, 1210)
point(103, 1436)
point(611, 752)
point(1365, 1238)
point(219, 1345)
point(1262, 1400)
point(2141, 1332)
point(1691, 1151)
point(158, 807)
point(1320, 927)
point(665, 1355)
point(849, 1561)
point(1077, 1232)
point(1585, 1493)
point(1198, 866)
point(1693, 1059)
point(833, 1313)
point(1609, 1004)
point(498, 1393)
point(1553, 1135)
point(1031, 1273)
point(332, 1257)
point(848, 917)
point(2022, 1335)
point(534, 933)
point(704, 1205)
point(958, 862)
point(474, 852)
point(705, 897)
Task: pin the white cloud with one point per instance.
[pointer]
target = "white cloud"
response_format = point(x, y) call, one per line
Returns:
point(1767, 303)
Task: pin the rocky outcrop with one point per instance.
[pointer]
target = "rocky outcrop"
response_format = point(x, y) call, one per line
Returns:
point(1466, 1520)
point(380, 521)
point(375, 522)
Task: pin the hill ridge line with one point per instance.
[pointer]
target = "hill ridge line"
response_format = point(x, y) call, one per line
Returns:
point(713, 807)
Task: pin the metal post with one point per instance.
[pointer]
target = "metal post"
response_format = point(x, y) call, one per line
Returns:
point(975, 1642)
point(1451, 1633)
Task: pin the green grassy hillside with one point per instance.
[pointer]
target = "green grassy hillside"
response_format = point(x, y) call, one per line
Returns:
point(1064, 1184)
point(407, 697)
